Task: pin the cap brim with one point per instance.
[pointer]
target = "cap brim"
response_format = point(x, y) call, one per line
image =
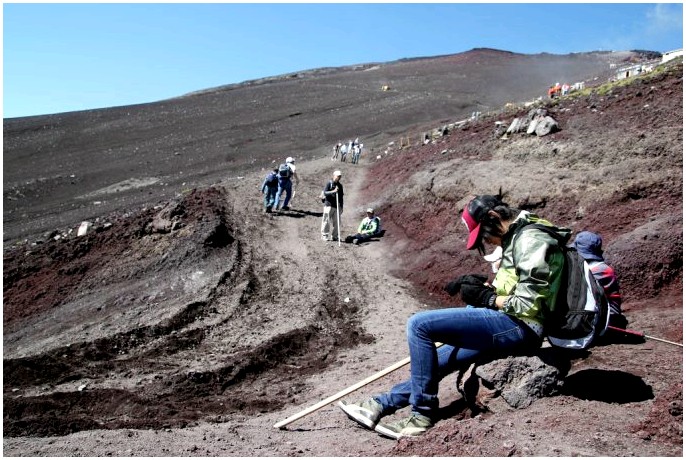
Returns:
point(589, 255)
point(473, 228)
point(473, 237)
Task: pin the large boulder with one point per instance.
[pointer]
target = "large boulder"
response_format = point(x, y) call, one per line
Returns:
point(546, 126)
point(516, 126)
point(513, 382)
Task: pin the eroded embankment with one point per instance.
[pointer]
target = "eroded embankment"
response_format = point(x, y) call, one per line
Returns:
point(181, 366)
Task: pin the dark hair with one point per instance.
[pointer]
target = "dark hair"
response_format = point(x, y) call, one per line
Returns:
point(490, 225)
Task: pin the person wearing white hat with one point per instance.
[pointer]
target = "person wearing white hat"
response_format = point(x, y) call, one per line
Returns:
point(368, 228)
point(286, 174)
point(332, 198)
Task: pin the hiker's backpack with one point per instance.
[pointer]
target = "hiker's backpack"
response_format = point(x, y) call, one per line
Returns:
point(379, 230)
point(272, 179)
point(581, 312)
point(285, 171)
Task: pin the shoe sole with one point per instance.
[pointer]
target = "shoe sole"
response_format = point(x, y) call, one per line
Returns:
point(357, 417)
point(388, 433)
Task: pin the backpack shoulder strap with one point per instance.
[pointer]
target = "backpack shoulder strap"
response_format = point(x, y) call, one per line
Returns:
point(545, 228)
point(549, 230)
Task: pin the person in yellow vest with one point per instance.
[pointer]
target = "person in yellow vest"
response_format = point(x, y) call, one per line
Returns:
point(368, 229)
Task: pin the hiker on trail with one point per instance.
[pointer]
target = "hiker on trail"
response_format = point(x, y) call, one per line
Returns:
point(269, 187)
point(286, 174)
point(332, 197)
point(499, 320)
point(357, 150)
point(590, 246)
point(368, 228)
point(344, 151)
point(336, 150)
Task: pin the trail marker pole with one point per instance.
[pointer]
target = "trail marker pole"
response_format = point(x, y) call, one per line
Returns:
point(338, 220)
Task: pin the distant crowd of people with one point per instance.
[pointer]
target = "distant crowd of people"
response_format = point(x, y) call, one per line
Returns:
point(352, 148)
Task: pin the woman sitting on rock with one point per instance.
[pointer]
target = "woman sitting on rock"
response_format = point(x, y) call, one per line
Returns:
point(499, 320)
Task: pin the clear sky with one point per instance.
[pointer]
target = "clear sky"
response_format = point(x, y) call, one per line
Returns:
point(65, 57)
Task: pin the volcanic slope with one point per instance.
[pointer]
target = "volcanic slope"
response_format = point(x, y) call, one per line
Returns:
point(65, 168)
point(188, 327)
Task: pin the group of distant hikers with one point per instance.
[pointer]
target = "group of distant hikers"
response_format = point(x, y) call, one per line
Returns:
point(281, 180)
point(510, 315)
point(352, 148)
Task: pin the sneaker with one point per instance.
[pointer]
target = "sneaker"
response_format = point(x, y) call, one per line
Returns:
point(414, 425)
point(367, 413)
point(286, 208)
point(356, 241)
point(268, 210)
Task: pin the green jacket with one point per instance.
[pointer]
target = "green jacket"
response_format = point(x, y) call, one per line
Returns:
point(369, 226)
point(531, 270)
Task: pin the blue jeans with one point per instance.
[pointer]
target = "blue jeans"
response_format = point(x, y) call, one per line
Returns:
point(468, 334)
point(270, 197)
point(286, 185)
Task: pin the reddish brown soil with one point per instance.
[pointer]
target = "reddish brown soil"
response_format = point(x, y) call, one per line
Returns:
point(195, 341)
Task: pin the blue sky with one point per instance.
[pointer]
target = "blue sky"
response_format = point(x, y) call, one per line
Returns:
point(65, 57)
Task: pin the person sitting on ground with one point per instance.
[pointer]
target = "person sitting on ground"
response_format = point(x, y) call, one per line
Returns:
point(368, 228)
point(590, 246)
point(269, 187)
point(499, 320)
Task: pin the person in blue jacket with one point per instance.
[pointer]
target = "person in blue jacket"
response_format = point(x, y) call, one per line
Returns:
point(269, 187)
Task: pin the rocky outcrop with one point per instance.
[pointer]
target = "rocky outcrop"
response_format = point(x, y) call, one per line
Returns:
point(514, 382)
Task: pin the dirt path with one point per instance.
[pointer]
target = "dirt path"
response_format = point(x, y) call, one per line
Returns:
point(294, 280)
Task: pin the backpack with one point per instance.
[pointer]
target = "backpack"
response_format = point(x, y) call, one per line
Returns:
point(272, 179)
point(285, 171)
point(581, 312)
point(378, 226)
